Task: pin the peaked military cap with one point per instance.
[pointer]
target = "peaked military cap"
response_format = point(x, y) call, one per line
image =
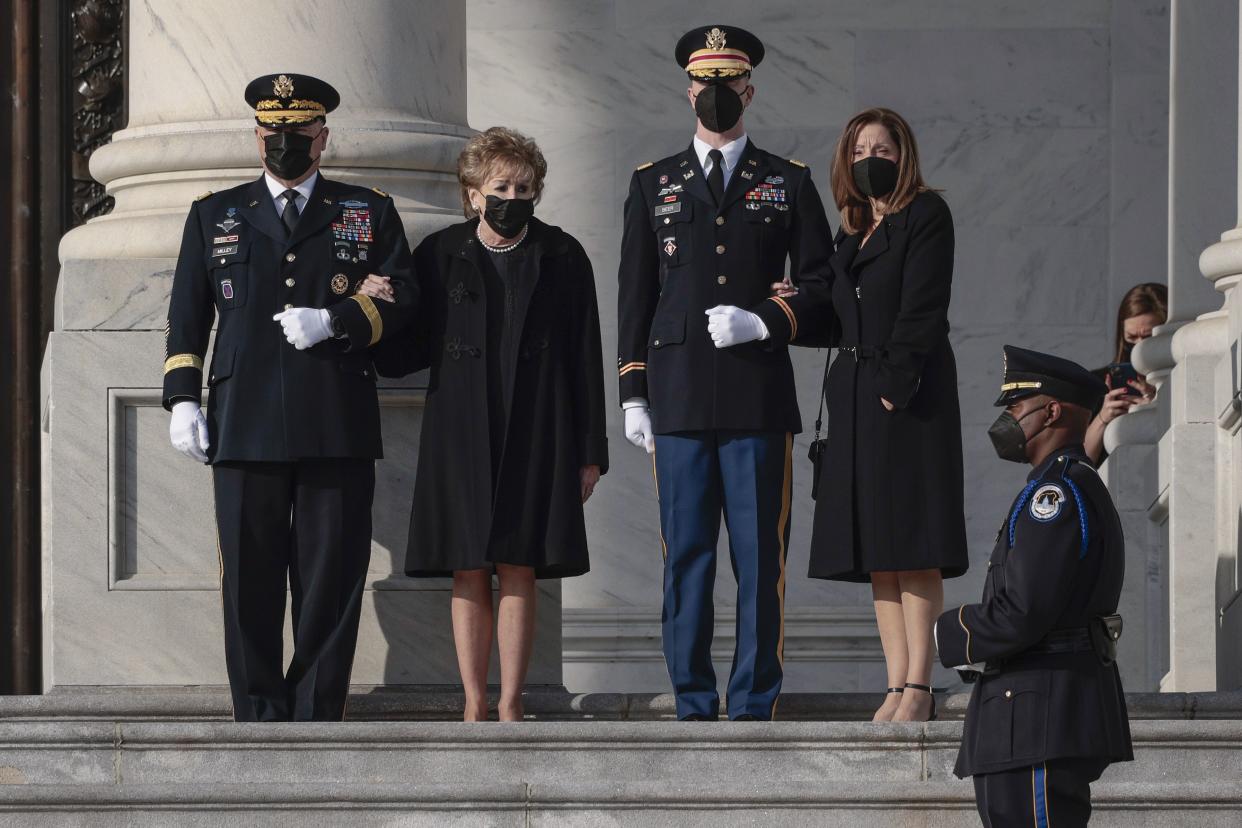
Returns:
point(290, 99)
point(709, 52)
point(1029, 372)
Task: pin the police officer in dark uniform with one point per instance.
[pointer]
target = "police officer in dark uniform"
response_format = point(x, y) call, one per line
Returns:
point(1047, 714)
point(710, 227)
point(292, 431)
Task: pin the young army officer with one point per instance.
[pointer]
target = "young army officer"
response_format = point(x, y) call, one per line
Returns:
point(1047, 714)
point(708, 227)
point(293, 429)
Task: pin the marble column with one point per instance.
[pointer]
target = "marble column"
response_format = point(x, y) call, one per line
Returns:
point(131, 568)
point(1194, 498)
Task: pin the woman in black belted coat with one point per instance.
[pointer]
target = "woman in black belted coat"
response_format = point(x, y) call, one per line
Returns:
point(890, 505)
point(513, 437)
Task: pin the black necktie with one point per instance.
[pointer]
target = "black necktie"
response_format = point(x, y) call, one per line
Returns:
point(290, 214)
point(715, 178)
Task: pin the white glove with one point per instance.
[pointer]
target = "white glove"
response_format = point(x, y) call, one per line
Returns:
point(733, 326)
point(305, 327)
point(188, 430)
point(638, 428)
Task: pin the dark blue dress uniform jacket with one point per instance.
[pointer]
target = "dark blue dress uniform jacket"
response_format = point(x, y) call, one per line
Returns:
point(681, 255)
point(1058, 562)
point(270, 401)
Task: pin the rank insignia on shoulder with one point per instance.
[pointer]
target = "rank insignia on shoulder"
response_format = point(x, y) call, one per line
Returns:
point(381, 192)
point(1047, 502)
point(797, 163)
point(644, 166)
point(204, 195)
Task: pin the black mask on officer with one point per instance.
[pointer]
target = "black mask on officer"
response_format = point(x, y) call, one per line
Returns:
point(287, 154)
point(875, 177)
point(718, 107)
point(507, 216)
point(1009, 439)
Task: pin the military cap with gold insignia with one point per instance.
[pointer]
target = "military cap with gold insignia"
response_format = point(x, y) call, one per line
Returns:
point(1030, 372)
point(288, 99)
point(709, 52)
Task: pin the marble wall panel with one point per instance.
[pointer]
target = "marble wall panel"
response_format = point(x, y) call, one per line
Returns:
point(800, 15)
point(1027, 78)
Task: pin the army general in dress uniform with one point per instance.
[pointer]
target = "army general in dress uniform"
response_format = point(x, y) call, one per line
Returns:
point(292, 431)
point(709, 227)
point(1047, 714)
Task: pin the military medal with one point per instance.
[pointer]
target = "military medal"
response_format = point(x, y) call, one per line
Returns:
point(340, 284)
point(228, 223)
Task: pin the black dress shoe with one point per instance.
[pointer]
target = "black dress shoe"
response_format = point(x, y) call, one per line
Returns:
point(697, 717)
point(746, 717)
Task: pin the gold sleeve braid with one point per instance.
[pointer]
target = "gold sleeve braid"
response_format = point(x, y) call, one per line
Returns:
point(372, 314)
point(183, 361)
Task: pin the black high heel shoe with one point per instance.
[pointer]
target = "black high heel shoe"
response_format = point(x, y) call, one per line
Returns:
point(929, 692)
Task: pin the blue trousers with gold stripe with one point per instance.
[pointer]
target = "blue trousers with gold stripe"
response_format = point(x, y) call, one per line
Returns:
point(747, 476)
point(1053, 793)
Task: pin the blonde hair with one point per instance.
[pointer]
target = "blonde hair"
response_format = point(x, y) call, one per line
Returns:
point(855, 207)
point(495, 149)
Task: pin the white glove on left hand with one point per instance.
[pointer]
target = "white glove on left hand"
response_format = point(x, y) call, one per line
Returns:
point(188, 430)
point(305, 327)
point(729, 325)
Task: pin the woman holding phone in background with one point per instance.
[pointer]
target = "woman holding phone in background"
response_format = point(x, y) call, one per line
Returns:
point(1143, 308)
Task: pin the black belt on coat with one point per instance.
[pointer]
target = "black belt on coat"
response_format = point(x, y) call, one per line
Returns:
point(1075, 640)
point(858, 352)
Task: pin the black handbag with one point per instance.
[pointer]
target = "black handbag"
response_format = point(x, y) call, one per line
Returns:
point(819, 445)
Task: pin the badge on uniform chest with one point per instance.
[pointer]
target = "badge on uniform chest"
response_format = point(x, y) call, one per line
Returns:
point(228, 222)
point(670, 246)
point(351, 232)
point(226, 288)
point(768, 193)
point(353, 225)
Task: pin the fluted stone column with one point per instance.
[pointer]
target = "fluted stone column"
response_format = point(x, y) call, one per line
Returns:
point(131, 571)
point(1190, 359)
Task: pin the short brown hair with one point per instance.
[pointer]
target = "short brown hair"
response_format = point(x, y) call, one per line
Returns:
point(1149, 297)
point(855, 207)
point(494, 149)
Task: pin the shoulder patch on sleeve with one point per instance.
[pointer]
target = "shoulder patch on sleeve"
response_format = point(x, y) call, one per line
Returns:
point(644, 166)
point(204, 195)
point(381, 192)
point(797, 163)
point(1047, 503)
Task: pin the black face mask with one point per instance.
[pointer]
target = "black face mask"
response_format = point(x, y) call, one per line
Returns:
point(718, 107)
point(1009, 439)
point(507, 216)
point(287, 154)
point(874, 176)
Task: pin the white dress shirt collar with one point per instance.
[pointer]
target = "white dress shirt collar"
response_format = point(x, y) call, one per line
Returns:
point(731, 152)
point(304, 191)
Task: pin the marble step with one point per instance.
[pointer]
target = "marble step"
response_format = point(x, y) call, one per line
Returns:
point(543, 703)
point(589, 773)
point(683, 803)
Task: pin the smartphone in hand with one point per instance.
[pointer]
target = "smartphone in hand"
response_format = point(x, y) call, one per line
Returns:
point(1120, 374)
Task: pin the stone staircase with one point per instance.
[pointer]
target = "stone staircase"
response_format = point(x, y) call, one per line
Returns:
point(138, 758)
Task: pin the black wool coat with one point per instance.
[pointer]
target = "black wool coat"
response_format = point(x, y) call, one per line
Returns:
point(529, 511)
point(890, 489)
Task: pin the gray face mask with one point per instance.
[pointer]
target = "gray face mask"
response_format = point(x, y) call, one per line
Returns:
point(1009, 439)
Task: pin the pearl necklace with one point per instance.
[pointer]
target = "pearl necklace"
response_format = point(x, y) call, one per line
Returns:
point(505, 249)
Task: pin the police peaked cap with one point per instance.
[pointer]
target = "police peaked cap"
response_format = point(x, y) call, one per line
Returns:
point(1028, 373)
